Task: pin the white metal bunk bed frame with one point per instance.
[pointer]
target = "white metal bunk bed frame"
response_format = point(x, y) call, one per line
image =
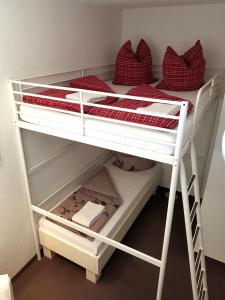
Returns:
point(206, 95)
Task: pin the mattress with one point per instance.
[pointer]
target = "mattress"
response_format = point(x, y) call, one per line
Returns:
point(130, 186)
point(110, 131)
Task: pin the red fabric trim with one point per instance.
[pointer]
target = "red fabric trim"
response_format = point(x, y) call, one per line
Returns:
point(92, 83)
point(142, 91)
point(53, 103)
point(87, 82)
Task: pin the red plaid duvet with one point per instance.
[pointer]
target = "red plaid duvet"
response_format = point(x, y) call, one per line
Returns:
point(53, 103)
point(87, 82)
point(142, 91)
point(92, 83)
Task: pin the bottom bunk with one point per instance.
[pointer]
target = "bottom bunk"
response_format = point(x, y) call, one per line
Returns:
point(135, 189)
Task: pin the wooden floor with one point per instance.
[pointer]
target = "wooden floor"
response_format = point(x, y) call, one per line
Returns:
point(124, 277)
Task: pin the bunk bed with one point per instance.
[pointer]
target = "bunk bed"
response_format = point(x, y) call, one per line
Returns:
point(163, 145)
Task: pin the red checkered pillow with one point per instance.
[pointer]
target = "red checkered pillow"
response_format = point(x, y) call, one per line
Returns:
point(92, 83)
point(183, 72)
point(133, 68)
point(143, 90)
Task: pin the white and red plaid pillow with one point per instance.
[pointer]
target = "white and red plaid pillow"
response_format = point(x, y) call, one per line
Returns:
point(143, 90)
point(183, 72)
point(133, 68)
point(92, 83)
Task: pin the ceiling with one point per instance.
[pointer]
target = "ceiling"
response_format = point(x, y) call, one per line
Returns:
point(146, 3)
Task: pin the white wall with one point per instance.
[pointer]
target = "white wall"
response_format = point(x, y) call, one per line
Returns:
point(179, 27)
point(37, 38)
point(213, 206)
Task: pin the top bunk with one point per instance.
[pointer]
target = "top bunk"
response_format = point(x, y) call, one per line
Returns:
point(112, 116)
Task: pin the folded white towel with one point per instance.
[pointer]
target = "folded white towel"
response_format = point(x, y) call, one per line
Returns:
point(161, 108)
point(88, 214)
point(87, 97)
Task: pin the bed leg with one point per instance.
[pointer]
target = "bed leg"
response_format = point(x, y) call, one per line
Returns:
point(92, 276)
point(48, 253)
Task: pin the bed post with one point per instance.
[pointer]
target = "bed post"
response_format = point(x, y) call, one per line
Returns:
point(24, 169)
point(169, 219)
point(91, 276)
point(172, 196)
point(48, 252)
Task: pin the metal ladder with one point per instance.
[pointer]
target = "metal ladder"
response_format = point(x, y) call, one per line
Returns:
point(192, 217)
point(193, 224)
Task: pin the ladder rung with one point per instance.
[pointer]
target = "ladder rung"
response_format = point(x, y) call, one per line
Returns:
point(203, 295)
point(201, 291)
point(199, 275)
point(190, 184)
point(193, 211)
point(196, 235)
point(200, 280)
point(198, 259)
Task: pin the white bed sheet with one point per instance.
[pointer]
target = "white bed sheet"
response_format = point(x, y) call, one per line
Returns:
point(116, 133)
point(129, 185)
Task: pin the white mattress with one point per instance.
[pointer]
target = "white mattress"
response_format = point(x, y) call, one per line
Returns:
point(130, 186)
point(115, 133)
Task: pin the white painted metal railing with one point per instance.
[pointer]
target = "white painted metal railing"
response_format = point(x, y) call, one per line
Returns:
point(83, 116)
point(205, 96)
point(208, 91)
